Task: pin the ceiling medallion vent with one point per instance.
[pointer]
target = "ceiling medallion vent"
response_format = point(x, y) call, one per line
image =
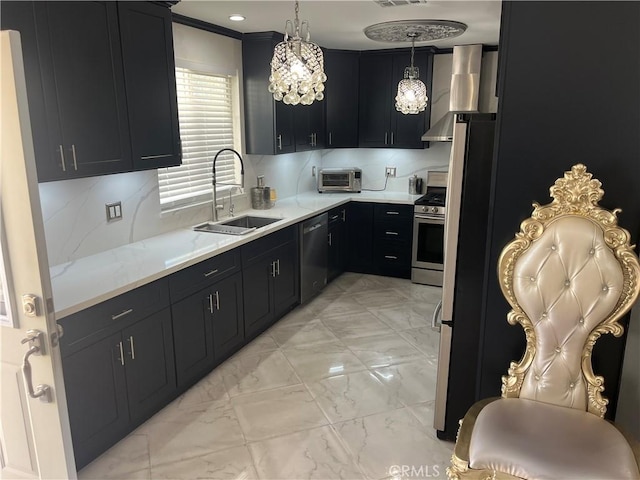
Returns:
point(399, 3)
point(423, 30)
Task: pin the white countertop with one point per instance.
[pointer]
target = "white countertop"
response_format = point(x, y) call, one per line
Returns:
point(88, 281)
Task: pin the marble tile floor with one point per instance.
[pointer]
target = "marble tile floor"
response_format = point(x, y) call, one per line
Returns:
point(341, 388)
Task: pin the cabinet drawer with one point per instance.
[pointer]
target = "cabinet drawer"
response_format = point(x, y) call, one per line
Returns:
point(190, 280)
point(112, 315)
point(253, 251)
point(398, 231)
point(385, 211)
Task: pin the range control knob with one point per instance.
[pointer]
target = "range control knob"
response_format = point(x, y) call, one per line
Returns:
point(424, 209)
point(434, 209)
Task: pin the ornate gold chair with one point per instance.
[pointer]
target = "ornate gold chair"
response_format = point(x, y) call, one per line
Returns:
point(569, 275)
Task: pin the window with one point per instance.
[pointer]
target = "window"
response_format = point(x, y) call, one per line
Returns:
point(205, 115)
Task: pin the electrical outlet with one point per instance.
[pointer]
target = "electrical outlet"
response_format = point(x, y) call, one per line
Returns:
point(390, 171)
point(114, 211)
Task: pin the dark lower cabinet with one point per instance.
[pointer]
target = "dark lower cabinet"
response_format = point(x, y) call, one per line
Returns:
point(258, 298)
point(360, 237)
point(96, 388)
point(149, 364)
point(337, 252)
point(207, 327)
point(392, 237)
point(270, 279)
point(286, 284)
point(379, 238)
point(114, 381)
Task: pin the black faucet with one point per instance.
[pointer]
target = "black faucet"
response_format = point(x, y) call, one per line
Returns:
point(213, 181)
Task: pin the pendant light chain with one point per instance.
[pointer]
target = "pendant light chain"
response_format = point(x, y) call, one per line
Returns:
point(297, 67)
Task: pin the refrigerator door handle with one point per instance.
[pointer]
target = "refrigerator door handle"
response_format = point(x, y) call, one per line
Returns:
point(434, 320)
point(452, 217)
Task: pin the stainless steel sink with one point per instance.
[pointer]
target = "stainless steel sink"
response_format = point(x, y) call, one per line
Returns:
point(249, 221)
point(236, 226)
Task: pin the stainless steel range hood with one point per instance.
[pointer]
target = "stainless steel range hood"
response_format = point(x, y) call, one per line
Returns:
point(465, 91)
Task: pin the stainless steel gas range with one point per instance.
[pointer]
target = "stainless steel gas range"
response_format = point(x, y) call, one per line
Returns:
point(427, 260)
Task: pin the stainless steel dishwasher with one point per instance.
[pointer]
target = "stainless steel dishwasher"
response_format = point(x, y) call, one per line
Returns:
point(314, 236)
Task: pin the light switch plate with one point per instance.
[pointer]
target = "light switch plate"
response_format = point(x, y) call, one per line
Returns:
point(114, 211)
point(390, 171)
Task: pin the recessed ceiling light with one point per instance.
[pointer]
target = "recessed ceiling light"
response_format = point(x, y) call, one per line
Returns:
point(236, 17)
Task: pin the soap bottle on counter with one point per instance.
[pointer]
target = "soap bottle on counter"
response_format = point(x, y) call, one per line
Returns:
point(261, 195)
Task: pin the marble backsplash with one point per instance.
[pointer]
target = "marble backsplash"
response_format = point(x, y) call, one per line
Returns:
point(74, 210)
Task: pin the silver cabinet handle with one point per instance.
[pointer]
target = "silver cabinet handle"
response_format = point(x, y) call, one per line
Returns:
point(73, 152)
point(278, 267)
point(64, 165)
point(385, 137)
point(391, 233)
point(344, 215)
point(210, 296)
point(279, 137)
point(212, 272)
point(391, 138)
point(311, 139)
point(329, 238)
point(330, 140)
point(121, 314)
point(334, 217)
point(133, 352)
point(390, 257)
point(121, 357)
point(217, 300)
point(391, 212)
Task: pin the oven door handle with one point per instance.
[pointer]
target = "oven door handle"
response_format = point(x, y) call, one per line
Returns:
point(422, 216)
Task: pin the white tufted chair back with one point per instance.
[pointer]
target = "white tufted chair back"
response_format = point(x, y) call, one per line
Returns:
point(569, 275)
point(567, 282)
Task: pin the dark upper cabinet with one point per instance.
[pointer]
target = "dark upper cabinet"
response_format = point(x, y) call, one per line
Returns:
point(149, 72)
point(341, 98)
point(380, 124)
point(86, 117)
point(309, 126)
point(273, 127)
point(269, 125)
point(83, 84)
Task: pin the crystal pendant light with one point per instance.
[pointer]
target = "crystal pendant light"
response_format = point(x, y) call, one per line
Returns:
point(297, 67)
point(412, 93)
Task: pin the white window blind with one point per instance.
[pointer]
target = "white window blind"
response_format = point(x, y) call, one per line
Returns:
point(205, 115)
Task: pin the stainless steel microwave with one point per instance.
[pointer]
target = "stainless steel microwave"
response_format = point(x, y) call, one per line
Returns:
point(340, 180)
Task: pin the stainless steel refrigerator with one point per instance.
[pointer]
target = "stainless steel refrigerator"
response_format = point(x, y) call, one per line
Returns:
point(465, 257)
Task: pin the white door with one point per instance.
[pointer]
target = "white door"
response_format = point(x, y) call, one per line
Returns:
point(34, 435)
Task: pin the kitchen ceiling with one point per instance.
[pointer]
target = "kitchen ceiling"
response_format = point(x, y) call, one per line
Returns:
point(340, 23)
